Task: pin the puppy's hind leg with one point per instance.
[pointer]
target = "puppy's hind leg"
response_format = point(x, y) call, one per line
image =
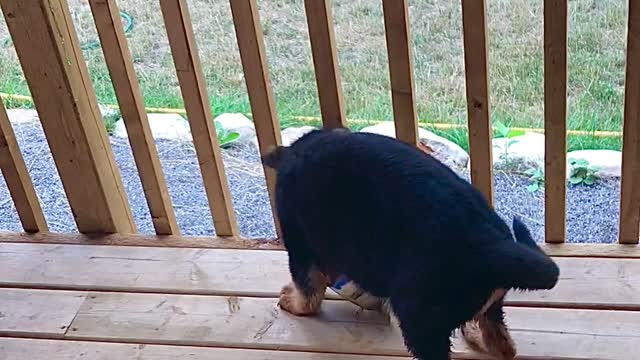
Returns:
point(495, 334)
point(304, 295)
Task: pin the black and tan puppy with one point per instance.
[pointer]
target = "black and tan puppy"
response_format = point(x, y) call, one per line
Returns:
point(405, 228)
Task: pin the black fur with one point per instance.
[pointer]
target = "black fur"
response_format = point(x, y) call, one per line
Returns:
point(404, 227)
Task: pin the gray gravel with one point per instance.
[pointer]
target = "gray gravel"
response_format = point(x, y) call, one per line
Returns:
point(592, 212)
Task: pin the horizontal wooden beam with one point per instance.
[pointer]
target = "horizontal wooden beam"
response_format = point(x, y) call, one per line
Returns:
point(556, 250)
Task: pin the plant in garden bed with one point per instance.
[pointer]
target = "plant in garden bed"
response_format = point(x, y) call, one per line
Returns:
point(508, 134)
point(225, 137)
point(580, 172)
point(536, 179)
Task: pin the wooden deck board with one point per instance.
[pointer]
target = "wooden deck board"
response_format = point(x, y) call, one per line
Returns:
point(212, 242)
point(32, 349)
point(257, 323)
point(585, 282)
point(47, 313)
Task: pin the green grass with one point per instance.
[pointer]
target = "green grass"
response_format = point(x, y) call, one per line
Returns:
point(596, 61)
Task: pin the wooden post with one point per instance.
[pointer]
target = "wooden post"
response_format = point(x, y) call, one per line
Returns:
point(396, 23)
point(555, 115)
point(196, 100)
point(251, 44)
point(325, 62)
point(475, 59)
point(16, 175)
point(630, 183)
point(116, 53)
point(47, 46)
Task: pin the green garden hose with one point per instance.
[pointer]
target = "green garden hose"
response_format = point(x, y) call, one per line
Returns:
point(93, 44)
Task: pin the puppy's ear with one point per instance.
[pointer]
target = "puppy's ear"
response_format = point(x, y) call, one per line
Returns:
point(276, 157)
point(522, 233)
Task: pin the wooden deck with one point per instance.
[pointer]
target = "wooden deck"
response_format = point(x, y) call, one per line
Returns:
point(67, 300)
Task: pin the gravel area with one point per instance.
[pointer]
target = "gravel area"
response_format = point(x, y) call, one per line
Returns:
point(592, 212)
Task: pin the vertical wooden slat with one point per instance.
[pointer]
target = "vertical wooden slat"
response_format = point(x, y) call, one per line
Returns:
point(196, 100)
point(18, 180)
point(477, 84)
point(325, 62)
point(630, 183)
point(396, 23)
point(555, 115)
point(114, 44)
point(252, 54)
point(48, 49)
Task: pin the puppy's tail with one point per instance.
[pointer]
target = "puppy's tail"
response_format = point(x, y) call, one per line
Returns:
point(525, 265)
point(276, 157)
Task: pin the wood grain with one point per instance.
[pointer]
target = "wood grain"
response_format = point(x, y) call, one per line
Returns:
point(196, 100)
point(116, 53)
point(396, 23)
point(474, 30)
point(41, 349)
point(210, 242)
point(584, 282)
point(325, 62)
point(246, 20)
point(47, 313)
point(66, 102)
point(339, 328)
point(555, 119)
point(630, 182)
point(16, 176)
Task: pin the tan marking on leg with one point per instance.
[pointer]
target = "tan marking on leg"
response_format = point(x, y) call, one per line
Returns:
point(497, 340)
point(293, 300)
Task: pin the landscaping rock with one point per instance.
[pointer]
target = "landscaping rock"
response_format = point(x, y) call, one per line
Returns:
point(239, 123)
point(163, 126)
point(608, 162)
point(107, 111)
point(291, 134)
point(22, 116)
point(448, 152)
point(525, 152)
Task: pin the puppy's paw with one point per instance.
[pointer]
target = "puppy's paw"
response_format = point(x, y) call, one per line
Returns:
point(472, 336)
point(293, 301)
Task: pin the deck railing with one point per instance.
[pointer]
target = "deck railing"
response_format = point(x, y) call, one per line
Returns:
point(66, 102)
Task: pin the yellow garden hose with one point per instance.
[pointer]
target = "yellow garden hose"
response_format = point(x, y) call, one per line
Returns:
point(307, 119)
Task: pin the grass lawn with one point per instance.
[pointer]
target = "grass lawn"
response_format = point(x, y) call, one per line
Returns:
point(597, 31)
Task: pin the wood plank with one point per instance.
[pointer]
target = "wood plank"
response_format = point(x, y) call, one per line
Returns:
point(40, 349)
point(196, 100)
point(396, 23)
point(325, 62)
point(339, 328)
point(59, 82)
point(474, 28)
point(16, 176)
point(210, 242)
point(555, 119)
point(204, 242)
point(46, 313)
point(116, 53)
point(246, 20)
point(584, 282)
point(630, 183)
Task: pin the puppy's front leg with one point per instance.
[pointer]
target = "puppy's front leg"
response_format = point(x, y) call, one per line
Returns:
point(305, 293)
point(425, 328)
